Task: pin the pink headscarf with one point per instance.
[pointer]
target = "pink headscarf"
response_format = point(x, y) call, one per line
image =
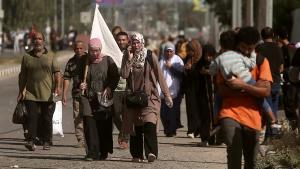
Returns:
point(96, 43)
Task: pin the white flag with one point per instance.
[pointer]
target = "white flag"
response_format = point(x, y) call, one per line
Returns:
point(109, 45)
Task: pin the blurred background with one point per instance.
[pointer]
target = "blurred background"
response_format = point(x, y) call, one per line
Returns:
point(64, 20)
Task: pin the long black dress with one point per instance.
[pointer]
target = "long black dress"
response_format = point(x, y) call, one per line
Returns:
point(205, 100)
point(98, 127)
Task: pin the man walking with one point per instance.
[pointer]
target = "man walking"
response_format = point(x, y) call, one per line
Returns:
point(37, 88)
point(119, 94)
point(74, 71)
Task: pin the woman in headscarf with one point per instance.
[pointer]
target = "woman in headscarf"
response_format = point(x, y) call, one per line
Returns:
point(206, 94)
point(191, 87)
point(172, 68)
point(102, 79)
point(141, 70)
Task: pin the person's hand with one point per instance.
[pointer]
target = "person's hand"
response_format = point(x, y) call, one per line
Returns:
point(168, 64)
point(57, 91)
point(83, 86)
point(169, 101)
point(107, 93)
point(130, 53)
point(20, 97)
point(236, 83)
point(188, 66)
point(204, 71)
point(64, 100)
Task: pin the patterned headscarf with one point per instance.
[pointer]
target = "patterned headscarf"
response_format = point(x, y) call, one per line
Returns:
point(140, 54)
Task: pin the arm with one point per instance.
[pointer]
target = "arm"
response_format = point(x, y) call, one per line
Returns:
point(65, 90)
point(250, 62)
point(262, 88)
point(113, 78)
point(57, 76)
point(57, 79)
point(213, 68)
point(126, 65)
point(161, 81)
point(177, 69)
point(22, 81)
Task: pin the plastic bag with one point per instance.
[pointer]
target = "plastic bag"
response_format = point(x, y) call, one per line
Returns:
point(57, 120)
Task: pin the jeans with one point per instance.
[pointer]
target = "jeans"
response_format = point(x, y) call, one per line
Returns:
point(273, 100)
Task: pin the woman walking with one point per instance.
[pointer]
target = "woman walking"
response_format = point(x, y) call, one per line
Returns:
point(141, 70)
point(102, 79)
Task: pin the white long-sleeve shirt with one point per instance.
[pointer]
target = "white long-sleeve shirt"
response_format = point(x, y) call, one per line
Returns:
point(173, 80)
point(231, 63)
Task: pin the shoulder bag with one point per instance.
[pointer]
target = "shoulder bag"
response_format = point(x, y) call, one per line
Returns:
point(19, 116)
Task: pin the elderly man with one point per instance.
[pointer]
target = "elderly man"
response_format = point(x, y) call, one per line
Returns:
point(37, 88)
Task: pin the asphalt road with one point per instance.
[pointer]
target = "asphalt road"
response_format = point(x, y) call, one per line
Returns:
point(179, 152)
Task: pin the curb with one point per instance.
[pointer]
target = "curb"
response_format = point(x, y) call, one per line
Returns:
point(15, 70)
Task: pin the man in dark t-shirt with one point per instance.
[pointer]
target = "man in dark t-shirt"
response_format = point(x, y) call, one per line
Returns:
point(74, 71)
point(288, 89)
point(273, 53)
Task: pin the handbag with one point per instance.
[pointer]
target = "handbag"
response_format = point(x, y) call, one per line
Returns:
point(136, 99)
point(19, 116)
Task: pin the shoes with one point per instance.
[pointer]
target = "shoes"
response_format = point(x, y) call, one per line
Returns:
point(191, 135)
point(87, 158)
point(30, 146)
point(151, 157)
point(123, 145)
point(46, 146)
point(137, 160)
point(203, 144)
point(171, 134)
point(103, 156)
point(180, 126)
point(80, 145)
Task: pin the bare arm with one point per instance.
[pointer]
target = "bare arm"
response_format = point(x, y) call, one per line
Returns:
point(65, 90)
point(22, 81)
point(262, 88)
point(57, 79)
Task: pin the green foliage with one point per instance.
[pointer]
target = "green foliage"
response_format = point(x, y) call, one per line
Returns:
point(282, 13)
point(222, 9)
point(25, 13)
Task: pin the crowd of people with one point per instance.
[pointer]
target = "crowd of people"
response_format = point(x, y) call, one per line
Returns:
point(236, 88)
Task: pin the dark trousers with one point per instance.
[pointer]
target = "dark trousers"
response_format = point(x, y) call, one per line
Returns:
point(291, 98)
point(240, 140)
point(98, 136)
point(169, 116)
point(149, 141)
point(39, 116)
